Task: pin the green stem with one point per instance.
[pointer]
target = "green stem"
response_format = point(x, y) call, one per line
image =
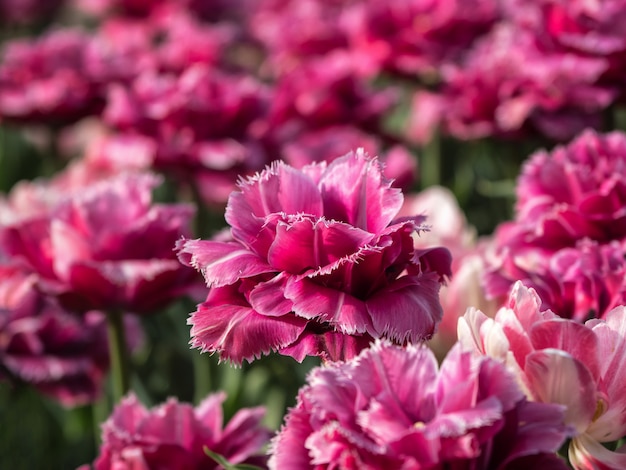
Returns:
point(99, 413)
point(202, 376)
point(120, 367)
point(430, 162)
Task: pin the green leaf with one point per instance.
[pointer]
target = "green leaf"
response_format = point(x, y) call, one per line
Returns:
point(220, 459)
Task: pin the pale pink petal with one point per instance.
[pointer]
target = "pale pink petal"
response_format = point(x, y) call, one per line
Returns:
point(586, 453)
point(477, 332)
point(556, 377)
point(611, 352)
point(573, 338)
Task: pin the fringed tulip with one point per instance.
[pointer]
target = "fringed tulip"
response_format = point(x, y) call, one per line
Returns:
point(318, 265)
point(105, 246)
point(392, 408)
point(62, 354)
point(173, 436)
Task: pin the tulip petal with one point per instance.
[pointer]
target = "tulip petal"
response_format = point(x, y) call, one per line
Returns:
point(556, 377)
point(340, 309)
point(416, 308)
point(355, 191)
point(237, 332)
point(221, 263)
point(585, 453)
point(310, 244)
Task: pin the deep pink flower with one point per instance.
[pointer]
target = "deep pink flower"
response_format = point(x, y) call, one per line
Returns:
point(328, 143)
point(567, 239)
point(62, 354)
point(295, 31)
point(506, 86)
point(173, 436)
point(203, 122)
point(211, 10)
point(563, 362)
point(416, 36)
point(105, 246)
point(328, 91)
point(317, 265)
point(581, 282)
point(591, 29)
point(44, 79)
point(575, 191)
point(392, 408)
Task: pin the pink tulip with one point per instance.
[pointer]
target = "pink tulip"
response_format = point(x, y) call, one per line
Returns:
point(62, 354)
point(559, 361)
point(318, 265)
point(173, 436)
point(391, 407)
point(105, 246)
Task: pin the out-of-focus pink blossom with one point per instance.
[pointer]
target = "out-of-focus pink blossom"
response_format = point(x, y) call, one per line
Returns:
point(204, 123)
point(328, 143)
point(567, 239)
point(62, 354)
point(318, 265)
point(173, 436)
point(507, 86)
point(211, 10)
point(296, 31)
point(573, 192)
point(585, 28)
point(392, 408)
point(328, 91)
point(44, 79)
point(581, 282)
point(562, 362)
point(104, 246)
point(416, 36)
point(450, 229)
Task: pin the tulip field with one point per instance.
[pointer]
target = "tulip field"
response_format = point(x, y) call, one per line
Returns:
point(302, 234)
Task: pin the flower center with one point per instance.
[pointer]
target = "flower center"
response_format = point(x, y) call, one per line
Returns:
point(600, 409)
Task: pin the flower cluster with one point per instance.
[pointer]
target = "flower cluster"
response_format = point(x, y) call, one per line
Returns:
point(415, 37)
point(391, 408)
point(507, 87)
point(174, 436)
point(62, 354)
point(268, 112)
point(562, 362)
point(317, 265)
point(567, 240)
point(104, 247)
